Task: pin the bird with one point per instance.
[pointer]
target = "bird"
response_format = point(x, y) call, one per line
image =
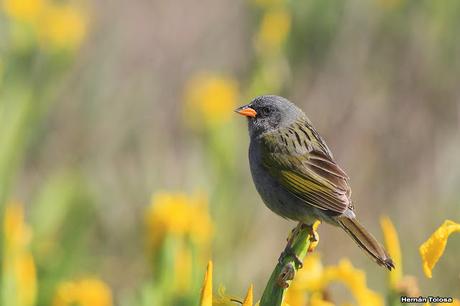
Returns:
point(297, 176)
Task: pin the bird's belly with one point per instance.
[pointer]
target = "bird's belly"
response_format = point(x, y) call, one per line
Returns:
point(276, 198)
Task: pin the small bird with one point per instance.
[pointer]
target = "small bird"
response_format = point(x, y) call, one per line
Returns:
point(296, 175)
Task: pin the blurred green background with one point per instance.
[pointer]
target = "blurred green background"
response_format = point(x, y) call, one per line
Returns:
point(106, 104)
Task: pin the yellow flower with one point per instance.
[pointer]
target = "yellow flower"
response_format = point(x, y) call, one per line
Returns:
point(206, 298)
point(26, 278)
point(317, 300)
point(206, 290)
point(85, 292)
point(180, 216)
point(248, 300)
point(18, 263)
point(399, 283)
point(23, 10)
point(308, 278)
point(181, 226)
point(432, 249)
point(210, 98)
point(61, 26)
point(354, 280)
point(274, 29)
point(17, 232)
point(392, 244)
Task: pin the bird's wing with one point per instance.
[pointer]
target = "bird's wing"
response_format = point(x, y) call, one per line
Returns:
point(301, 162)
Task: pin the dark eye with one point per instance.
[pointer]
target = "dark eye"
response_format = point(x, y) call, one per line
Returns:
point(265, 111)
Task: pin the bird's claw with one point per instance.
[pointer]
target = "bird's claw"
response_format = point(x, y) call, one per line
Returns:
point(287, 274)
point(289, 252)
point(313, 236)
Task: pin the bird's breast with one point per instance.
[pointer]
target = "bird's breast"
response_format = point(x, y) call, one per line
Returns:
point(275, 197)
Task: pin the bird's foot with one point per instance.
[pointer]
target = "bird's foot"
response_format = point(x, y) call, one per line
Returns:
point(287, 274)
point(288, 251)
point(314, 237)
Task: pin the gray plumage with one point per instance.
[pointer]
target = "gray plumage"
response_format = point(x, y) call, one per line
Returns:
point(296, 175)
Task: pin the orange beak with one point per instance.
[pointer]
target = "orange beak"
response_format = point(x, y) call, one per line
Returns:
point(246, 111)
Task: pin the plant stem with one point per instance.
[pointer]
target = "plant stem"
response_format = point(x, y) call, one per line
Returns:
point(285, 270)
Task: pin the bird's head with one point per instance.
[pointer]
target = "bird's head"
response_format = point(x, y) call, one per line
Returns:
point(268, 113)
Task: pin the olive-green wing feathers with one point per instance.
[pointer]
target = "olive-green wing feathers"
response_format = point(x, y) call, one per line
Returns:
point(304, 166)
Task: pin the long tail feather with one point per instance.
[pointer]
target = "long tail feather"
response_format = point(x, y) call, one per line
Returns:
point(366, 241)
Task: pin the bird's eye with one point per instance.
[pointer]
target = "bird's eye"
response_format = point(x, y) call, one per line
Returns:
point(265, 111)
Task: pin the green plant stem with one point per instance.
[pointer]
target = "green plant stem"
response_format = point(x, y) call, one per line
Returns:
point(285, 270)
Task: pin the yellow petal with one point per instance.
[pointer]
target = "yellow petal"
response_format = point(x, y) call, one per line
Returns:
point(309, 277)
point(248, 300)
point(274, 28)
point(26, 279)
point(62, 27)
point(206, 290)
point(432, 249)
point(317, 300)
point(84, 292)
point(355, 280)
point(23, 10)
point(18, 263)
point(392, 245)
point(210, 99)
point(180, 216)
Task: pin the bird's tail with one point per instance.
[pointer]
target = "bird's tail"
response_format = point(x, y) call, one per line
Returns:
point(366, 241)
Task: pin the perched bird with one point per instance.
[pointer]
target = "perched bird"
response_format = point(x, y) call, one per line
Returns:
point(296, 175)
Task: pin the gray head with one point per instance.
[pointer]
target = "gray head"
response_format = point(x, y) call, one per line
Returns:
point(268, 113)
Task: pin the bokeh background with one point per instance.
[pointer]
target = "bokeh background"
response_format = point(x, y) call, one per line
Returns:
point(123, 168)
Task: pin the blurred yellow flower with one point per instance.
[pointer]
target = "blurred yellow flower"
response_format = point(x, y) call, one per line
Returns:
point(314, 278)
point(210, 99)
point(309, 278)
point(61, 26)
point(206, 290)
point(18, 263)
point(17, 232)
point(432, 249)
point(317, 300)
point(399, 283)
point(392, 245)
point(274, 29)
point(354, 280)
point(23, 10)
point(85, 292)
point(179, 226)
point(178, 215)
